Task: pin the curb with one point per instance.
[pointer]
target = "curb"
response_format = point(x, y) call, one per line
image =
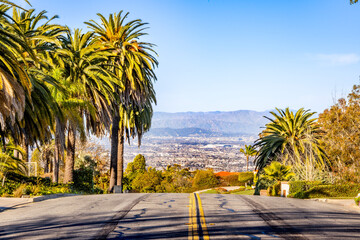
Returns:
point(52, 196)
point(33, 199)
point(351, 206)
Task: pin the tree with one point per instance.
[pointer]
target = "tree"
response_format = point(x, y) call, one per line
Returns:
point(15, 83)
point(89, 85)
point(148, 181)
point(287, 137)
point(353, 1)
point(40, 106)
point(10, 163)
point(248, 151)
point(341, 138)
point(205, 179)
point(133, 64)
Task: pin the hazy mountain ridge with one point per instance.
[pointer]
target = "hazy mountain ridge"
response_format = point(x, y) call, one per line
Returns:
point(208, 123)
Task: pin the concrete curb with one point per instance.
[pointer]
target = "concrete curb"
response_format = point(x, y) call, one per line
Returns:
point(348, 203)
point(15, 202)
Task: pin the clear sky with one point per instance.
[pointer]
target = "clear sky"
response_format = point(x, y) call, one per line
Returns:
point(222, 55)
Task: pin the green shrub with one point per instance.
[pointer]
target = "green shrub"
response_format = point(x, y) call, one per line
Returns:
point(302, 186)
point(246, 177)
point(231, 180)
point(357, 200)
point(204, 179)
point(275, 189)
point(83, 180)
point(324, 191)
point(300, 195)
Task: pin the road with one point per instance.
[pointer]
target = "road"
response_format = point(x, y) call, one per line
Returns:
point(179, 216)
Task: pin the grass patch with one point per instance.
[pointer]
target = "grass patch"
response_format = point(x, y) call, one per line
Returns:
point(242, 192)
point(246, 192)
point(212, 191)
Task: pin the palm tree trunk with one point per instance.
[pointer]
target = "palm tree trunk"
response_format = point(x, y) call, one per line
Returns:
point(120, 157)
point(56, 160)
point(114, 152)
point(70, 155)
point(3, 142)
point(247, 163)
point(57, 155)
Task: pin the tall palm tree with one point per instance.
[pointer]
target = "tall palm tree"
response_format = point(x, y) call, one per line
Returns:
point(133, 64)
point(40, 107)
point(89, 87)
point(248, 151)
point(287, 137)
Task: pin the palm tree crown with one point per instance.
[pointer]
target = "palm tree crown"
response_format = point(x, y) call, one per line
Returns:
point(289, 134)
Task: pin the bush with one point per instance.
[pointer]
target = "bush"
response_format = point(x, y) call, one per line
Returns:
point(246, 177)
point(83, 180)
point(204, 179)
point(323, 191)
point(302, 186)
point(231, 180)
point(275, 189)
point(357, 200)
point(20, 190)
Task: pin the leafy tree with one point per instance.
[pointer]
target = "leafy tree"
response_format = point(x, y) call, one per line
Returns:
point(246, 177)
point(176, 179)
point(205, 179)
point(341, 138)
point(138, 165)
point(149, 181)
point(248, 151)
point(353, 1)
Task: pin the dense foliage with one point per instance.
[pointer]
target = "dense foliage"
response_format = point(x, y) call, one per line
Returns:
point(57, 85)
point(341, 138)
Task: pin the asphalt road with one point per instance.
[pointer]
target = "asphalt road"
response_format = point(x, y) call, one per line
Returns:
point(179, 216)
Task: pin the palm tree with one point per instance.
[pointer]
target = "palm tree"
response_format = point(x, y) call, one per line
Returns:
point(40, 107)
point(133, 64)
point(10, 163)
point(89, 87)
point(248, 151)
point(15, 83)
point(287, 137)
point(277, 172)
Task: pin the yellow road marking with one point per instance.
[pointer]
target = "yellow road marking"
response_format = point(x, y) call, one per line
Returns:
point(202, 219)
point(194, 206)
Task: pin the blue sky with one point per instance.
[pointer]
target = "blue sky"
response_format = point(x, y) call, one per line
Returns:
point(230, 55)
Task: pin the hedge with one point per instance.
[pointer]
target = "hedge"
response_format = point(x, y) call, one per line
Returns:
point(326, 191)
point(302, 186)
point(323, 191)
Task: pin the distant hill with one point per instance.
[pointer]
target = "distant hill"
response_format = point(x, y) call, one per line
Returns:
point(208, 123)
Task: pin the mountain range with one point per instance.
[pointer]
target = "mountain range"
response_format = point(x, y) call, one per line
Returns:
point(242, 122)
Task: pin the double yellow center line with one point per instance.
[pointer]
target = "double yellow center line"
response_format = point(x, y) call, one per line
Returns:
point(197, 224)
